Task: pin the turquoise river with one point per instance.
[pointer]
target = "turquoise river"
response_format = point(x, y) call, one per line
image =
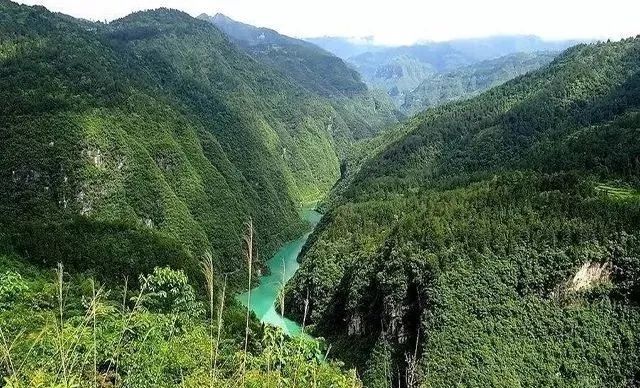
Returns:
point(282, 266)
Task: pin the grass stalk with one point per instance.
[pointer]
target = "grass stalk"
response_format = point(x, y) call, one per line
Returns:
point(89, 320)
point(248, 239)
point(94, 309)
point(125, 323)
point(306, 310)
point(282, 295)
point(207, 270)
point(6, 349)
point(220, 311)
point(124, 295)
point(63, 353)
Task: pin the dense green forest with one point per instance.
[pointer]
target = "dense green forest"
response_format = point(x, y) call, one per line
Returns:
point(472, 80)
point(132, 151)
point(316, 69)
point(366, 112)
point(150, 140)
point(495, 241)
point(400, 70)
point(151, 165)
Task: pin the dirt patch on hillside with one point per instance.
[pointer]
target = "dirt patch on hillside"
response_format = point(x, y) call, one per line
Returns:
point(590, 275)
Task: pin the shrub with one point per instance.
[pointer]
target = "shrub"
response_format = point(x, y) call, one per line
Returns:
point(12, 287)
point(168, 291)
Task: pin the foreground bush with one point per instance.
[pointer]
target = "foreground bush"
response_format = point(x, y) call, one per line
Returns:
point(75, 333)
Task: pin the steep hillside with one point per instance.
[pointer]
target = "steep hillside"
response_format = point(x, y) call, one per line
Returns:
point(317, 70)
point(498, 241)
point(133, 155)
point(396, 76)
point(365, 113)
point(472, 80)
point(399, 70)
point(149, 141)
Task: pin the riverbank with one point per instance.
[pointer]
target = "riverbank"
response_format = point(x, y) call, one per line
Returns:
point(282, 266)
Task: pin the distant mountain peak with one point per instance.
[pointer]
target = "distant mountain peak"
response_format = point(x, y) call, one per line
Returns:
point(313, 67)
point(217, 18)
point(221, 16)
point(220, 19)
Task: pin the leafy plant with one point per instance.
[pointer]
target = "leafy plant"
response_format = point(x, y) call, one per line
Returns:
point(169, 292)
point(12, 287)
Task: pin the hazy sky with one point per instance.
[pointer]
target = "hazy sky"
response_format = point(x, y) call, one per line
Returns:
point(396, 21)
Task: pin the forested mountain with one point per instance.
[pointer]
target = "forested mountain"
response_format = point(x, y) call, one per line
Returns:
point(150, 165)
point(316, 70)
point(311, 66)
point(399, 70)
point(135, 157)
point(496, 242)
point(471, 80)
point(149, 141)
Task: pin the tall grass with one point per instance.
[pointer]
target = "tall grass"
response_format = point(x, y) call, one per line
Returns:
point(61, 347)
point(99, 346)
point(6, 352)
point(207, 270)
point(219, 325)
point(126, 321)
point(94, 305)
point(306, 310)
point(248, 240)
point(282, 294)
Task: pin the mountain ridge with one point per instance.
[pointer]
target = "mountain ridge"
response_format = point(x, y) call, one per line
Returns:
point(472, 225)
point(364, 111)
point(471, 80)
point(400, 70)
point(162, 131)
point(267, 44)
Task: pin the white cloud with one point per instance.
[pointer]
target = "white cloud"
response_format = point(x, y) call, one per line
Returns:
point(397, 21)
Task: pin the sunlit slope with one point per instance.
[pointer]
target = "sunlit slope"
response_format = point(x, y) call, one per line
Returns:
point(498, 236)
point(149, 140)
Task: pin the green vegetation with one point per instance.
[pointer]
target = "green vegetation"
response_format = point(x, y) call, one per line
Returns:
point(493, 241)
point(400, 70)
point(364, 112)
point(150, 140)
point(480, 246)
point(472, 80)
point(315, 69)
point(59, 330)
point(140, 147)
point(622, 193)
